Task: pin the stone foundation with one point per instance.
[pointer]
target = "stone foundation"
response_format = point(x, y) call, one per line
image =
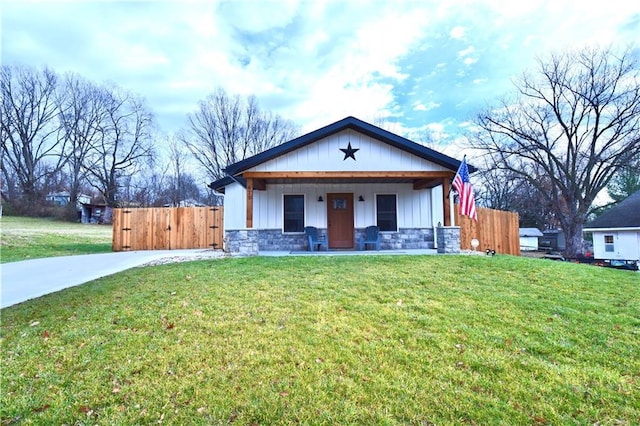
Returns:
point(448, 239)
point(276, 240)
point(242, 242)
point(404, 239)
point(250, 242)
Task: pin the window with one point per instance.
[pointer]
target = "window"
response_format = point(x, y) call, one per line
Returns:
point(608, 243)
point(294, 213)
point(386, 212)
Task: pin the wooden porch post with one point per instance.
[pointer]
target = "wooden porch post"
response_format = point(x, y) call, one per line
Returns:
point(446, 187)
point(249, 203)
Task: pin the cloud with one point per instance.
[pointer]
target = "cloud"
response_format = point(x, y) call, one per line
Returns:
point(310, 61)
point(422, 107)
point(457, 33)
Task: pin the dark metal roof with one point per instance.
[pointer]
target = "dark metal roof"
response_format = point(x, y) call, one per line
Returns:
point(346, 123)
point(624, 215)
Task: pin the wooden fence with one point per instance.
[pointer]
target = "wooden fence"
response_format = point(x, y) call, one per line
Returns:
point(495, 229)
point(167, 228)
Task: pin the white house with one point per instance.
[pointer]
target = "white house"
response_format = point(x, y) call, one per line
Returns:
point(529, 238)
point(616, 234)
point(340, 178)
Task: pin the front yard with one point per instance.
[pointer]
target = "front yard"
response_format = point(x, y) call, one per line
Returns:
point(330, 340)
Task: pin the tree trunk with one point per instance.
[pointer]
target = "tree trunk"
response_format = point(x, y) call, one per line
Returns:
point(573, 239)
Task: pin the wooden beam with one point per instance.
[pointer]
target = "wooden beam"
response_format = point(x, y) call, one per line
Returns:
point(350, 175)
point(446, 187)
point(426, 183)
point(249, 203)
point(259, 184)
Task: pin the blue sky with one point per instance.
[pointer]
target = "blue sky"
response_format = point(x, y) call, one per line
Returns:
point(418, 66)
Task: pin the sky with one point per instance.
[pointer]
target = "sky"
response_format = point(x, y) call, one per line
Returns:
point(420, 67)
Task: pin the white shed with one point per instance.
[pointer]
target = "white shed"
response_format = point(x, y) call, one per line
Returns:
point(529, 239)
point(616, 234)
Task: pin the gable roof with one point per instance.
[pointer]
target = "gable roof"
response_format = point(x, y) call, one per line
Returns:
point(346, 123)
point(624, 215)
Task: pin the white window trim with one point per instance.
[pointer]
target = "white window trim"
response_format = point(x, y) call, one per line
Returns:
point(304, 213)
point(375, 209)
point(611, 245)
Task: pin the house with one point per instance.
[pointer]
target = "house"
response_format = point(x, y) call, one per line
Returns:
point(63, 198)
point(616, 234)
point(529, 239)
point(340, 178)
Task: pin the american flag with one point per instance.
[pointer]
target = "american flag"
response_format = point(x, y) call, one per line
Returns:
point(462, 185)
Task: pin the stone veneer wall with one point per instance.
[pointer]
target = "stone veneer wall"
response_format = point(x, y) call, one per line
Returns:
point(276, 240)
point(448, 239)
point(249, 242)
point(243, 242)
point(405, 238)
point(239, 241)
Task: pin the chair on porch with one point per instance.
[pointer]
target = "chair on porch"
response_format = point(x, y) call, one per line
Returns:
point(314, 239)
point(371, 236)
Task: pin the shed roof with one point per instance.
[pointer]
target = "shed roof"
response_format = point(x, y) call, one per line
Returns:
point(346, 123)
point(530, 232)
point(626, 214)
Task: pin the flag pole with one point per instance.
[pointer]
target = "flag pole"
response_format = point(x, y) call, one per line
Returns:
point(451, 205)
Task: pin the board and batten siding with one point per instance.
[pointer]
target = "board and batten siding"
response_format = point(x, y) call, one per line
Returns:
point(415, 208)
point(325, 155)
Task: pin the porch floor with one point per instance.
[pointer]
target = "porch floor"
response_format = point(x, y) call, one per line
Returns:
point(411, 252)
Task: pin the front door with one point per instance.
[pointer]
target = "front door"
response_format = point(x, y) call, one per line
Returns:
point(340, 220)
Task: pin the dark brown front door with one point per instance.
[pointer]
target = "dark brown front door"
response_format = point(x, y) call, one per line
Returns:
point(340, 220)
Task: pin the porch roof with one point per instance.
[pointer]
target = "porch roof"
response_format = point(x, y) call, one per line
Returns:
point(235, 171)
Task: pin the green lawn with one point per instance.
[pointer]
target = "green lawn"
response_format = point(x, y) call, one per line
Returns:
point(327, 340)
point(25, 238)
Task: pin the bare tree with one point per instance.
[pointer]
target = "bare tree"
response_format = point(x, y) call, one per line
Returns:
point(123, 145)
point(81, 113)
point(225, 130)
point(32, 143)
point(572, 126)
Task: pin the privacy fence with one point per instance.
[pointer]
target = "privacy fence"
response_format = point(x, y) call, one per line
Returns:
point(495, 230)
point(167, 228)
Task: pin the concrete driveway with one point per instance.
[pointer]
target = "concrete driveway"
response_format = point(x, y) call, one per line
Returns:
point(29, 279)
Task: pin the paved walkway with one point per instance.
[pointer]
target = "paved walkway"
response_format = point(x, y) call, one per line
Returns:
point(29, 279)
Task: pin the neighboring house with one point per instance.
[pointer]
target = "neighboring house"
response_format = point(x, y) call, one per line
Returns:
point(63, 198)
point(529, 239)
point(616, 234)
point(340, 178)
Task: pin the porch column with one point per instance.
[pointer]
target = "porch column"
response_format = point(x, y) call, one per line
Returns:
point(446, 187)
point(249, 203)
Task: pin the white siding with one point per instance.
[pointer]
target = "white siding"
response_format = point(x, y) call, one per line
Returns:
point(325, 155)
point(528, 243)
point(414, 207)
point(235, 207)
point(626, 245)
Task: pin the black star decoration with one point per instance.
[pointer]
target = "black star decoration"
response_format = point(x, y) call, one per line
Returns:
point(349, 152)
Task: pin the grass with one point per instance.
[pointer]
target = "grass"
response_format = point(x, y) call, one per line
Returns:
point(25, 238)
point(330, 340)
